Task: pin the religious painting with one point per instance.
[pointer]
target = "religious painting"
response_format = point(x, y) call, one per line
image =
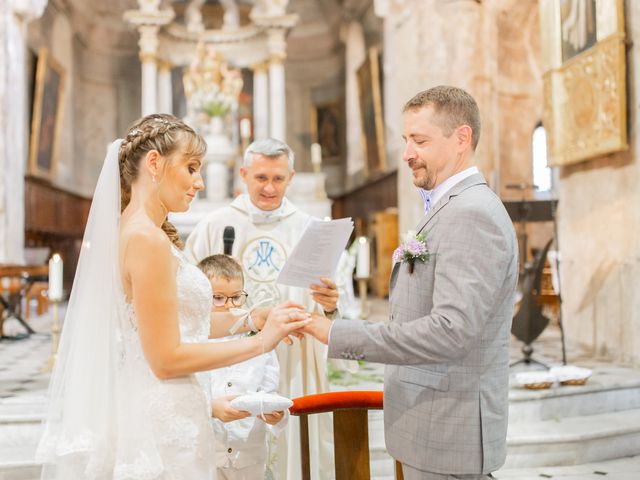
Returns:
point(584, 62)
point(327, 129)
point(578, 26)
point(372, 117)
point(46, 116)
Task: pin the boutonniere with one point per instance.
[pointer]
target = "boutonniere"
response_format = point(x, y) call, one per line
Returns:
point(413, 249)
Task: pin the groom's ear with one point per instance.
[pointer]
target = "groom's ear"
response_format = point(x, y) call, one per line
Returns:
point(464, 136)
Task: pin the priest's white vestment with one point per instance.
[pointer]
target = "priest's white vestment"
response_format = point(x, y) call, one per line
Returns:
point(263, 241)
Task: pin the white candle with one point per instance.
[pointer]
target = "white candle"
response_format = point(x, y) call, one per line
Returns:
point(316, 154)
point(55, 278)
point(245, 128)
point(362, 260)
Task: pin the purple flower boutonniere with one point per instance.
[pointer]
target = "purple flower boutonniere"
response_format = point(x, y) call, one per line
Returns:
point(413, 249)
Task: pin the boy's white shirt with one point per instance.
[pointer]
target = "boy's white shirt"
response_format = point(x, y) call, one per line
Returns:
point(246, 437)
point(262, 248)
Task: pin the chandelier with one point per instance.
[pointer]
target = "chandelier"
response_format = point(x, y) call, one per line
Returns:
point(210, 85)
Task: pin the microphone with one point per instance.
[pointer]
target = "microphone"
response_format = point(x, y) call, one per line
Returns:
point(228, 237)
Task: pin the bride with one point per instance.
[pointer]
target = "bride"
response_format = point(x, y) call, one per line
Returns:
point(125, 402)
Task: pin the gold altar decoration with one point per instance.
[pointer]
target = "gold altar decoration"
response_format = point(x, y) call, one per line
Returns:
point(583, 54)
point(210, 85)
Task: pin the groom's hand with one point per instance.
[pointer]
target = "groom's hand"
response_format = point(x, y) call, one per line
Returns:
point(325, 294)
point(319, 328)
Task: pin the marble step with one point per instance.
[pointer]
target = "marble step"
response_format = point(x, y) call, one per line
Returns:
point(18, 443)
point(573, 440)
point(22, 472)
point(608, 390)
point(20, 430)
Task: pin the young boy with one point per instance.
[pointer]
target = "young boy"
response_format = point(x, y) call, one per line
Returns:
point(241, 440)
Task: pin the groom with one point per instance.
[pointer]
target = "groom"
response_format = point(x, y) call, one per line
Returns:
point(446, 345)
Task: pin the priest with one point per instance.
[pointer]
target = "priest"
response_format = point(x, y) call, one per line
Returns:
point(261, 229)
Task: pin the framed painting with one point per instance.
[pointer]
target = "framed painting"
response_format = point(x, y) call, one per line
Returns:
point(583, 56)
point(46, 116)
point(327, 129)
point(577, 27)
point(372, 115)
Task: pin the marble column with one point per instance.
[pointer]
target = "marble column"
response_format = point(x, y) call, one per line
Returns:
point(165, 92)
point(148, 49)
point(260, 102)
point(148, 20)
point(277, 113)
point(14, 129)
point(277, 94)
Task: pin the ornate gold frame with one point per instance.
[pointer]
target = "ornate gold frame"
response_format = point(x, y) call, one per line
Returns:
point(371, 113)
point(585, 96)
point(46, 65)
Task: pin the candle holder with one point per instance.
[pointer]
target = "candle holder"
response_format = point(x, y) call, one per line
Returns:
point(321, 194)
point(364, 301)
point(55, 334)
point(363, 272)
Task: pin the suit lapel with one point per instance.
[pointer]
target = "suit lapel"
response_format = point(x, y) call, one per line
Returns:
point(457, 189)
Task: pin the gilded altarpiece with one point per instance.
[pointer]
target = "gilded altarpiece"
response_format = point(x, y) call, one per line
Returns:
point(583, 53)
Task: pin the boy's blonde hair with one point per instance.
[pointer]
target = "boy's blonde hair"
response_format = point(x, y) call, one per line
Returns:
point(221, 266)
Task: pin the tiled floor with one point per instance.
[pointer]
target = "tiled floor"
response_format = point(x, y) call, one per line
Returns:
point(620, 469)
point(23, 363)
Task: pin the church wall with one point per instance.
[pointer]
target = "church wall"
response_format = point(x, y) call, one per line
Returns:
point(499, 64)
point(493, 53)
point(101, 95)
point(309, 83)
point(314, 72)
point(599, 236)
point(422, 51)
point(61, 48)
point(519, 107)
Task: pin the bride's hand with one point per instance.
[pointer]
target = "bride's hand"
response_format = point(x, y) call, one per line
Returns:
point(259, 316)
point(282, 321)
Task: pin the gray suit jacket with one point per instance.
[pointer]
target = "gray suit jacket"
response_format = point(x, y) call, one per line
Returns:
point(446, 344)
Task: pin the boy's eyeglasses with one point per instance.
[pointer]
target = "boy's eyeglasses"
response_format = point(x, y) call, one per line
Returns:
point(237, 300)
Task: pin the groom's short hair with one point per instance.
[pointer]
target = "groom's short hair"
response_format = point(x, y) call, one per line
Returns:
point(453, 107)
point(221, 266)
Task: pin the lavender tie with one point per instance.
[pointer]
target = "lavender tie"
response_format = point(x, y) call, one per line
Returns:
point(426, 198)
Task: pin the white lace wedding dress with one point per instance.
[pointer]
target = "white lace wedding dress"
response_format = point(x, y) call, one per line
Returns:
point(161, 428)
point(178, 411)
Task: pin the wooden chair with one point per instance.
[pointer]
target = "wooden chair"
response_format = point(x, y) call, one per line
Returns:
point(39, 291)
point(350, 430)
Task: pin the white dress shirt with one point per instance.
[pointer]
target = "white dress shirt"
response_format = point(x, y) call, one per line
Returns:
point(439, 192)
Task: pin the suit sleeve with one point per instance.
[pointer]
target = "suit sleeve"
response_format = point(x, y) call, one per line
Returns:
point(473, 270)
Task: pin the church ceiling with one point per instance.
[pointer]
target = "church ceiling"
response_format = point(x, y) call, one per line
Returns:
point(99, 25)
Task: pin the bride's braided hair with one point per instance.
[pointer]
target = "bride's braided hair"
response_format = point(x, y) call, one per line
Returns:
point(163, 133)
